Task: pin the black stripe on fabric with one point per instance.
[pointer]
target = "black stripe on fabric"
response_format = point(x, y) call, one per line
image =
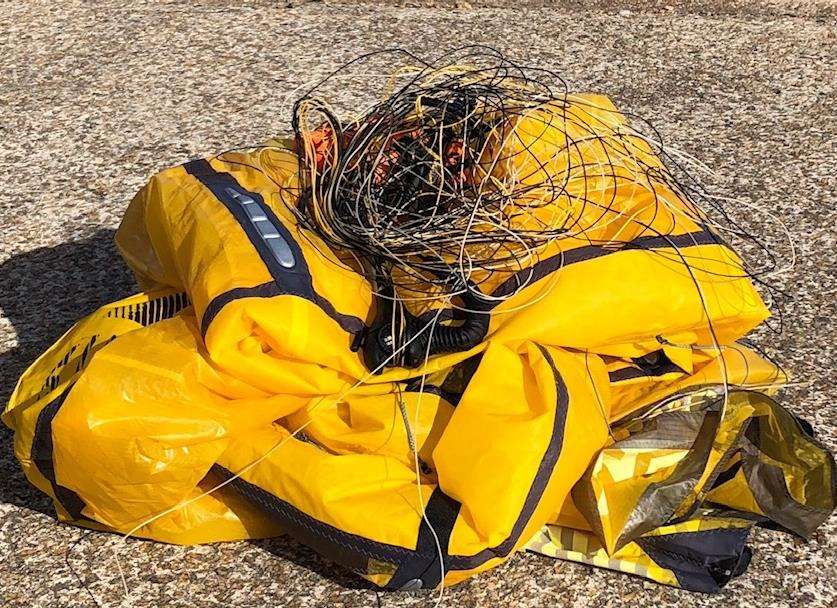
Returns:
point(285, 260)
point(642, 369)
point(424, 569)
point(42, 456)
point(454, 384)
point(417, 567)
point(348, 323)
point(230, 193)
point(152, 311)
point(536, 490)
point(414, 386)
point(167, 307)
point(545, 267)
point(334, 543)
point(457, 381)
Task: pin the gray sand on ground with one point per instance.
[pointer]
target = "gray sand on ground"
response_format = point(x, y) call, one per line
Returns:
point(96, 97)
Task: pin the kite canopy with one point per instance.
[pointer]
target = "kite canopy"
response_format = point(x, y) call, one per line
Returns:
point(482, 317)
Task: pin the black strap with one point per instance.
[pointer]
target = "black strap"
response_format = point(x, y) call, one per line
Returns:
point(423, 570)
point(277, 248)
point(42, 456)
point(652, 365)
point(419, 567)
point(547, 266)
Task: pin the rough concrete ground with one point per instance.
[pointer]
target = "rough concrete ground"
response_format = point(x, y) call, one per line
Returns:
point(95, 97)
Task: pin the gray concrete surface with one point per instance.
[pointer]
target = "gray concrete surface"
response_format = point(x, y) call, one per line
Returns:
point(95, 97)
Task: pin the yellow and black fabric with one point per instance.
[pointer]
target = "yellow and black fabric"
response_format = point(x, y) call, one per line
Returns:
point(674, 495)
point(239, 363)
point(701, 554)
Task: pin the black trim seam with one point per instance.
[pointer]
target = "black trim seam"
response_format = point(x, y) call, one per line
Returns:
point(419, 564)
point(273, 242)
point(545, 267)
point(41, 453)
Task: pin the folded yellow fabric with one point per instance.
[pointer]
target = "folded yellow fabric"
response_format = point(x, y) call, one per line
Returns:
point(238, 363)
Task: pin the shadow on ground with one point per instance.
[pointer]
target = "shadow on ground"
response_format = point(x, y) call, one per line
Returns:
point(288, 549)
point(42, 293)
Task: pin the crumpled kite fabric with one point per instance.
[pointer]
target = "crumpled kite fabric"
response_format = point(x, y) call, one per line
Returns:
point(483, 317)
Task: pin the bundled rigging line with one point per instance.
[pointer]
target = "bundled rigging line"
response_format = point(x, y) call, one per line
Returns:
point(422, 183)
point(472, 169)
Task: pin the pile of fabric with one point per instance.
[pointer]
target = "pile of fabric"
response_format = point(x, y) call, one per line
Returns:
point(483, 316)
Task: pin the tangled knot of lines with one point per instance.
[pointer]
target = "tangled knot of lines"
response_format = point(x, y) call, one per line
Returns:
point(448, 175)
point(472, 167)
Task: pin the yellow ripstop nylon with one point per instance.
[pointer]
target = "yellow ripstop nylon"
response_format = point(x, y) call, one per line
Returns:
point(222, 381)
